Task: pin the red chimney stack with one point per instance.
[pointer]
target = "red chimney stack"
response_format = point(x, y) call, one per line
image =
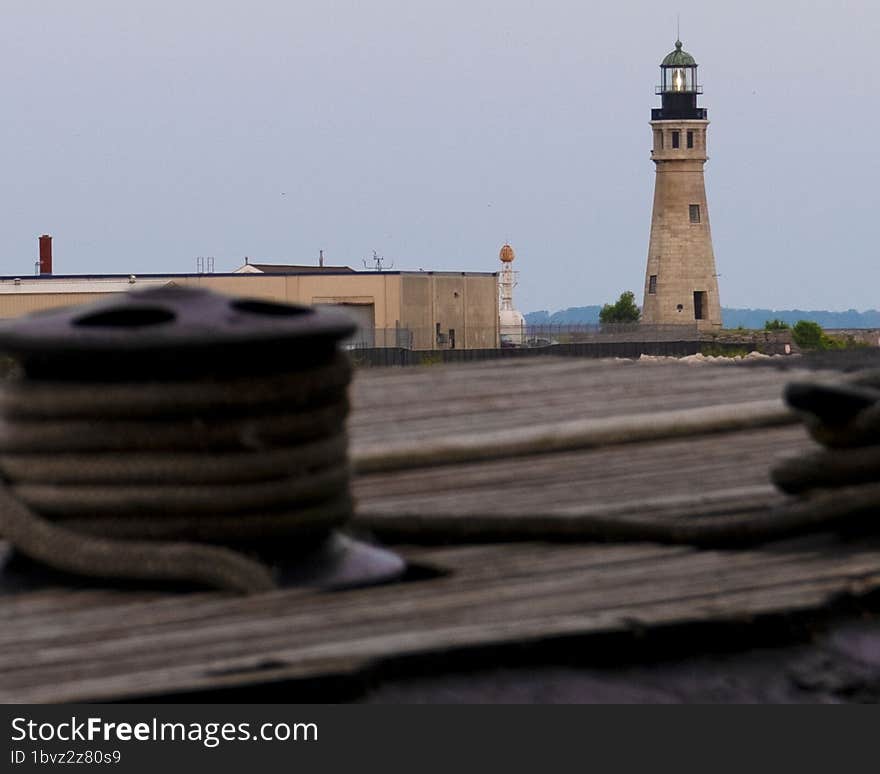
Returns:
point(45, 254)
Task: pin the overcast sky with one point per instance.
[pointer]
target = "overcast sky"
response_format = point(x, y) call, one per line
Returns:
point(144, 134)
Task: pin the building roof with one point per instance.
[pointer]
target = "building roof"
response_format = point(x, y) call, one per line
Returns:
point(678, 58)
point(119, 283)
point(55, 283)
point(289, 268)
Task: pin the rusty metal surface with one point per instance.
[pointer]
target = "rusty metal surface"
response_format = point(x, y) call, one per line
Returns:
point(171, 332)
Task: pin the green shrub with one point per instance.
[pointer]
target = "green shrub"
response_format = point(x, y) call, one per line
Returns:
point(847, 341)
point(808, 335)
point(776, 325)
point(624, 310)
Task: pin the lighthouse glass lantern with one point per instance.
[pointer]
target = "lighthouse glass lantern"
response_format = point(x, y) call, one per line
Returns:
point(679, 87)
point(678, 72)
point(678, 79)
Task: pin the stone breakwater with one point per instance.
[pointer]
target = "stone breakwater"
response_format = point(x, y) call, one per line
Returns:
point(700, 358)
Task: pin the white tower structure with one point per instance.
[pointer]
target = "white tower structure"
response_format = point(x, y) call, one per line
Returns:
point(512, 323)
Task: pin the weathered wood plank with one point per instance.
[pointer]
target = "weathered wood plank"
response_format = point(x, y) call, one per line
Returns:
point(558, 481)
point(474, 607)
point(473, 401)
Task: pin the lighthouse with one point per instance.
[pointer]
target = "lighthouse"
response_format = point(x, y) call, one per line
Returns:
point(681, 284)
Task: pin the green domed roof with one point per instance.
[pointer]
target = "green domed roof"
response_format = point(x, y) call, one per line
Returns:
point(678, 58)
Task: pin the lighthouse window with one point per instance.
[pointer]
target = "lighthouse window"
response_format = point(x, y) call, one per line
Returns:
point(652, 283)
point(694, 212)
point(676, 139)
point(690, 139)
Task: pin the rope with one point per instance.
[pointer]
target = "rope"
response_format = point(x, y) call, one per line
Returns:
point(845, 418)
point(834, 486)
point(574, 434)
point(732, 521)
point(137, 480)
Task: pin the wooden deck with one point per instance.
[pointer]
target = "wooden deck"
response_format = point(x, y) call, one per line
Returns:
point(93, 644)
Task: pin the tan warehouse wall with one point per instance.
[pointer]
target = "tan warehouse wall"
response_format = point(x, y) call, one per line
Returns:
point(380, 290)
point(416, 310)
point(464, 303)
point(482, 308)
point(25, 303)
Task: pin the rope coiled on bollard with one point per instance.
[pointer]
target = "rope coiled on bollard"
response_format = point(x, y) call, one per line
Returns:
point(166, 480)
point(845, 419)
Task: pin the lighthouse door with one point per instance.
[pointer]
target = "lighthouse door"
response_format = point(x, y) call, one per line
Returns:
point(699, 304)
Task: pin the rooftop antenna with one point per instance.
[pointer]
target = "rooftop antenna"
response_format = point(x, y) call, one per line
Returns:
point(321, 258)
point(678, 26)
point(378, 263)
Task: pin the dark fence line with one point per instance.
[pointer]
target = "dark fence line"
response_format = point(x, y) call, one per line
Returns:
point(390, 356)
point(630, 332)
point(374, 338)
point(533, 336)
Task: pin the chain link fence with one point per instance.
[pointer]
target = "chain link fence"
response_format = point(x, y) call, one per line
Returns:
point(543, 335)
point(520, 337)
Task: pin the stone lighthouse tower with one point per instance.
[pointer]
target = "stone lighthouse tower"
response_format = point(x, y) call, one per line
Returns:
point(681, 284)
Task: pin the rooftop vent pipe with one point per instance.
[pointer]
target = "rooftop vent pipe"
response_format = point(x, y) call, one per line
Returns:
point(45, 254)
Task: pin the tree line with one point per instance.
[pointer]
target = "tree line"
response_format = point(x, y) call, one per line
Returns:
point(731, 318)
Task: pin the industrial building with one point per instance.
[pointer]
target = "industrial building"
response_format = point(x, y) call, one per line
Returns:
point(417, 310)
